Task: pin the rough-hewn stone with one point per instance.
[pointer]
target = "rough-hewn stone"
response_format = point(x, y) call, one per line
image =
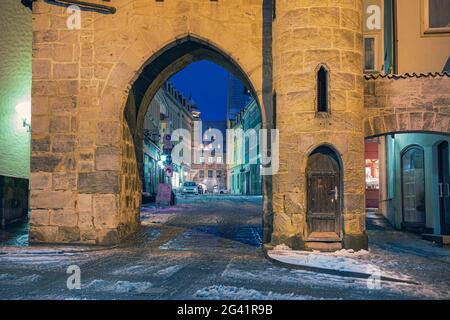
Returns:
point(82, 81)
point(98, 182)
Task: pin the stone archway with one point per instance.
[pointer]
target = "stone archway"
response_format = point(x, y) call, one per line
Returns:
point(155, 72)
point(84, 178)
point(81, 144)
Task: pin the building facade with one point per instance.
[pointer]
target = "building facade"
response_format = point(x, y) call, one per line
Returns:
point(244, 161)
point(209, 168)
point(407, 164)
point(15, 111)
point(237, 97)
point(168, 111)
point(303, 61)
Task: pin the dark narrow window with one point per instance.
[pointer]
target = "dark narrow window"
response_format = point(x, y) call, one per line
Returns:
point(274, 9)
point(322, 90)
point(274, 102)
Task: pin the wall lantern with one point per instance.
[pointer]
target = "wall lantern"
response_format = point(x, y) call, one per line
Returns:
point(23, 110)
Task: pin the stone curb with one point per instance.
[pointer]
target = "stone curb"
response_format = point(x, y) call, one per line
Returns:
point(347, 274)
point(13, 250)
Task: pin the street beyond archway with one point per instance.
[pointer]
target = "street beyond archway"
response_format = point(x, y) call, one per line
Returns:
point(209, 247)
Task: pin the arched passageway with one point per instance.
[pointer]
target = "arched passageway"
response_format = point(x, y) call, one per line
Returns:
point(152, 78)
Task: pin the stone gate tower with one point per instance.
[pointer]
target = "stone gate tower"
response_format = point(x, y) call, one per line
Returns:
point(318, 93)
point(85, 182)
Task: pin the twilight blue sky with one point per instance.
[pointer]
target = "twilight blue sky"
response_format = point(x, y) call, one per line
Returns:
point(207, 83)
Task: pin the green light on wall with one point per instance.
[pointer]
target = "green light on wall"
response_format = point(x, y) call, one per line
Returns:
point(23, 112)
point(15, 88)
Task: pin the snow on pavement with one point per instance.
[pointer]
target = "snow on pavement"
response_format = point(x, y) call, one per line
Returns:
point(119, 286)
point(340, 261)
point(219, 292)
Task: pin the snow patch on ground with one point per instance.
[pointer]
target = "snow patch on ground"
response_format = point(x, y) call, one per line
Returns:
point(349, 253)
point(30, 278)
point(218, 292)
point(343, 261)
point(119, 286)
point(168, 272)
point(149, 218)
point(282, 247)
point(6, 277)
point(12, 279)
point(287, 277)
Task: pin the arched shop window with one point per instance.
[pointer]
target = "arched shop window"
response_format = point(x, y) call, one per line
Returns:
point(413, 188)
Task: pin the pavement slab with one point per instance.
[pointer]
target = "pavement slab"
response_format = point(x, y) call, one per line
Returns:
point(209, 247)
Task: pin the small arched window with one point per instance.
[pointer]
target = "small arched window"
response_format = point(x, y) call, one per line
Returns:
point(322, 89)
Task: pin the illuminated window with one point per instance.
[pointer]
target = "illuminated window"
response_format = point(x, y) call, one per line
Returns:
point(210, 159)
point(219, 159)
point(372, 174)
point(202, 159)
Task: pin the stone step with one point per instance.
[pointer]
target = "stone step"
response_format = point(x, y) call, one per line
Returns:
point(324, 246)
point(442, 240)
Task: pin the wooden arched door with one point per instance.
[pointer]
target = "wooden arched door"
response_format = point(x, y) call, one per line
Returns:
point(324, 196)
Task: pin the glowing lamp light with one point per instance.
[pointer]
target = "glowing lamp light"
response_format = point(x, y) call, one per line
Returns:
point(23, 110)
point(163, 158)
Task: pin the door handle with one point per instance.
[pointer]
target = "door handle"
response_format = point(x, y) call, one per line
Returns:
point(441, 193)
point(336, 193)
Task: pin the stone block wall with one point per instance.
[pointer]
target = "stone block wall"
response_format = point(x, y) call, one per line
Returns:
point(85, 184)
point(308, 34)
point(407, 103)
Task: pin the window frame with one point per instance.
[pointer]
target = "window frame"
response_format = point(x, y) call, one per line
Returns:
point(375, 49)
point(426, 30)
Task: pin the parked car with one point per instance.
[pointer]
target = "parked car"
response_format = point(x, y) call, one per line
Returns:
point(189, 187)
point(219, 190)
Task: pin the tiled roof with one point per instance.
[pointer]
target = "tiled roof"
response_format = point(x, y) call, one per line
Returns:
point(407, 75)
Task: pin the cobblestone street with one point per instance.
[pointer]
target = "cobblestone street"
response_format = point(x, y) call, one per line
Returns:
point(209, 247)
